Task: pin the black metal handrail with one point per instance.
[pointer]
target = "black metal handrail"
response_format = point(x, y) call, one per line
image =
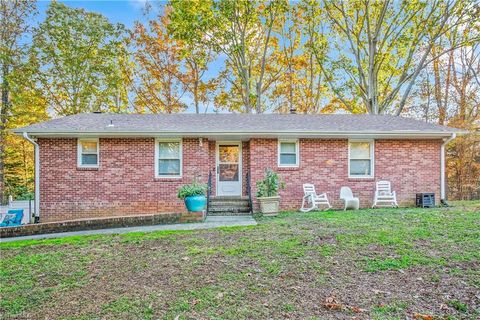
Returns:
point(249, 190)
point(209, 190)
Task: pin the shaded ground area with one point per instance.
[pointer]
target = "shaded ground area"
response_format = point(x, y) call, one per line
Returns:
point(369, 264)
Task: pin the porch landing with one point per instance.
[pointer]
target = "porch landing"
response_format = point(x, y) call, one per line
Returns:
point(210, 223)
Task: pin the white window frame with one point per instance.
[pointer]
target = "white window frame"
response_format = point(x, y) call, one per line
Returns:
point(297, 154)
point(372, 159)
point(157, 158)
point(79, 152)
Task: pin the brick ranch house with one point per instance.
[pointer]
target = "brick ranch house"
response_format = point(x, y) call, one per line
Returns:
point(104, 165)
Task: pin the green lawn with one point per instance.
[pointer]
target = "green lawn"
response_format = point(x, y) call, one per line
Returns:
point(369, 264)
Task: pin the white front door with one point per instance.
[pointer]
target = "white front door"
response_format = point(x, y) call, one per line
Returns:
point(229, 168)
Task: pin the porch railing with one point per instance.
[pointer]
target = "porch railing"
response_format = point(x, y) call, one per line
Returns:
point(249, 190)
point(209, 190)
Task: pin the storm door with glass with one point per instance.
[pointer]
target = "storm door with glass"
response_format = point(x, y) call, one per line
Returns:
point(229, 169)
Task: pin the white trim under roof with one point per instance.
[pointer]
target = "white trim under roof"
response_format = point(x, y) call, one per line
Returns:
point(235, 135)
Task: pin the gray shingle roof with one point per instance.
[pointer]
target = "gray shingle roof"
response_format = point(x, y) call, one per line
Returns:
point(189, 124)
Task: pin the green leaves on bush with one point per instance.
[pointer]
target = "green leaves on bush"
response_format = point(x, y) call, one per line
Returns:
point(194, 189)
point(269, 186)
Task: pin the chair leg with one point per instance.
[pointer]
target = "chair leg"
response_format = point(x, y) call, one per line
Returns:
point(303, 209)
point(303, 205)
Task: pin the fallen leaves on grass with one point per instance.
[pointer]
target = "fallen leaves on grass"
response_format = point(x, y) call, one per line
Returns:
point(332, 304)
point(419, 316)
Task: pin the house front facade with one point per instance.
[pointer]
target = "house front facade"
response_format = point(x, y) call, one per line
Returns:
point(103, 165)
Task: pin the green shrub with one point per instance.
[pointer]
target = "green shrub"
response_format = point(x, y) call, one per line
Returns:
point(193, 189)
point(269, 186)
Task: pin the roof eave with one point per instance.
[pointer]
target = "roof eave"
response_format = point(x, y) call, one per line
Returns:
point(272, 134)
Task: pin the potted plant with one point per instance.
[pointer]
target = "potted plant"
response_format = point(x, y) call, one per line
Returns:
point(194, 196)
point(267, 193)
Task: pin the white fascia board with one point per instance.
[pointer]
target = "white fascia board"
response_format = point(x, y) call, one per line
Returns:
point(280, 135)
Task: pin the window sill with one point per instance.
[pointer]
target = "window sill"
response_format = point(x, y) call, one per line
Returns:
point(167, 179)
point(361, 178)
point(288, 168)
point(88, 168)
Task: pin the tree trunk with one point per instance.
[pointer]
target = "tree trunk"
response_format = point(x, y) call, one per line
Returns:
point(3, 125)
point(195, 97)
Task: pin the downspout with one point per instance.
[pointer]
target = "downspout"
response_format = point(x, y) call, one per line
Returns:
point(443, 199)
point(37, 176)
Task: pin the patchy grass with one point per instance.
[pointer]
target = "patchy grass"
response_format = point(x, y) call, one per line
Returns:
point(373, 264)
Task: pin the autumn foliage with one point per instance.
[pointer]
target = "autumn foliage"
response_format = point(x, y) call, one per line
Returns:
point(417, 59)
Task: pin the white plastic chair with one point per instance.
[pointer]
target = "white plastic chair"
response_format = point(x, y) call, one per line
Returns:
point(351, 202)
point(311, 197)
point(384, 195)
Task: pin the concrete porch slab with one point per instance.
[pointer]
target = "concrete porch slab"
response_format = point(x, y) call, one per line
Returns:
point(209, 223)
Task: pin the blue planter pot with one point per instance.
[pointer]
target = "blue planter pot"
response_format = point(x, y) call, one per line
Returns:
point(196, 203)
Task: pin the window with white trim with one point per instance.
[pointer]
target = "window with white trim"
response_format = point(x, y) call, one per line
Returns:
point(88, 153)
point(360, 159)
point(168, 158)
point(288, 153)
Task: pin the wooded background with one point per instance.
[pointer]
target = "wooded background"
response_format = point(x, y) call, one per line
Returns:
point(408, 58)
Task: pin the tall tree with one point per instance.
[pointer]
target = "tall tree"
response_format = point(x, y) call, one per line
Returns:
point(82, 61)
point(239, 30)
point(449, 93)
point(159, 78)
point(14, 16)
point(168, 69)
point(196, 60)
point(379, 48)
point(300, 85)
point(27, 106)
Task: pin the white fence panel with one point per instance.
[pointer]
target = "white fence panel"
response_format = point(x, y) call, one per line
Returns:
point(26, 205)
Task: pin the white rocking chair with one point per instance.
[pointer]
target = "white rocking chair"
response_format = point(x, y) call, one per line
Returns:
point(311, 197)
point(384, 195)
point(351, 202)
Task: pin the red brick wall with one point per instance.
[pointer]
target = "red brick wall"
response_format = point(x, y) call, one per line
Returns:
point(410, 165)
point(125, 182)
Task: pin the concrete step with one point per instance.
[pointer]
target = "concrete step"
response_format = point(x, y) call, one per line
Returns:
point(229, 209)
point(229, 206)
point(225, 213)
point(229, 198)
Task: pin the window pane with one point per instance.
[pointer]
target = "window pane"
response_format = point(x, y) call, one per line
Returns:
point(288, 147)
point(228, 172)
point(89, 146)
point(228, 153)
point(288, 159)
point(169, 167)
point(169, 150)
point(89, 159)
point(360, 167)
point(360, 150)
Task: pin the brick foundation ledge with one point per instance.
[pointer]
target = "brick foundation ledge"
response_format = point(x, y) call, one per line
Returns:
point(100, 223)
